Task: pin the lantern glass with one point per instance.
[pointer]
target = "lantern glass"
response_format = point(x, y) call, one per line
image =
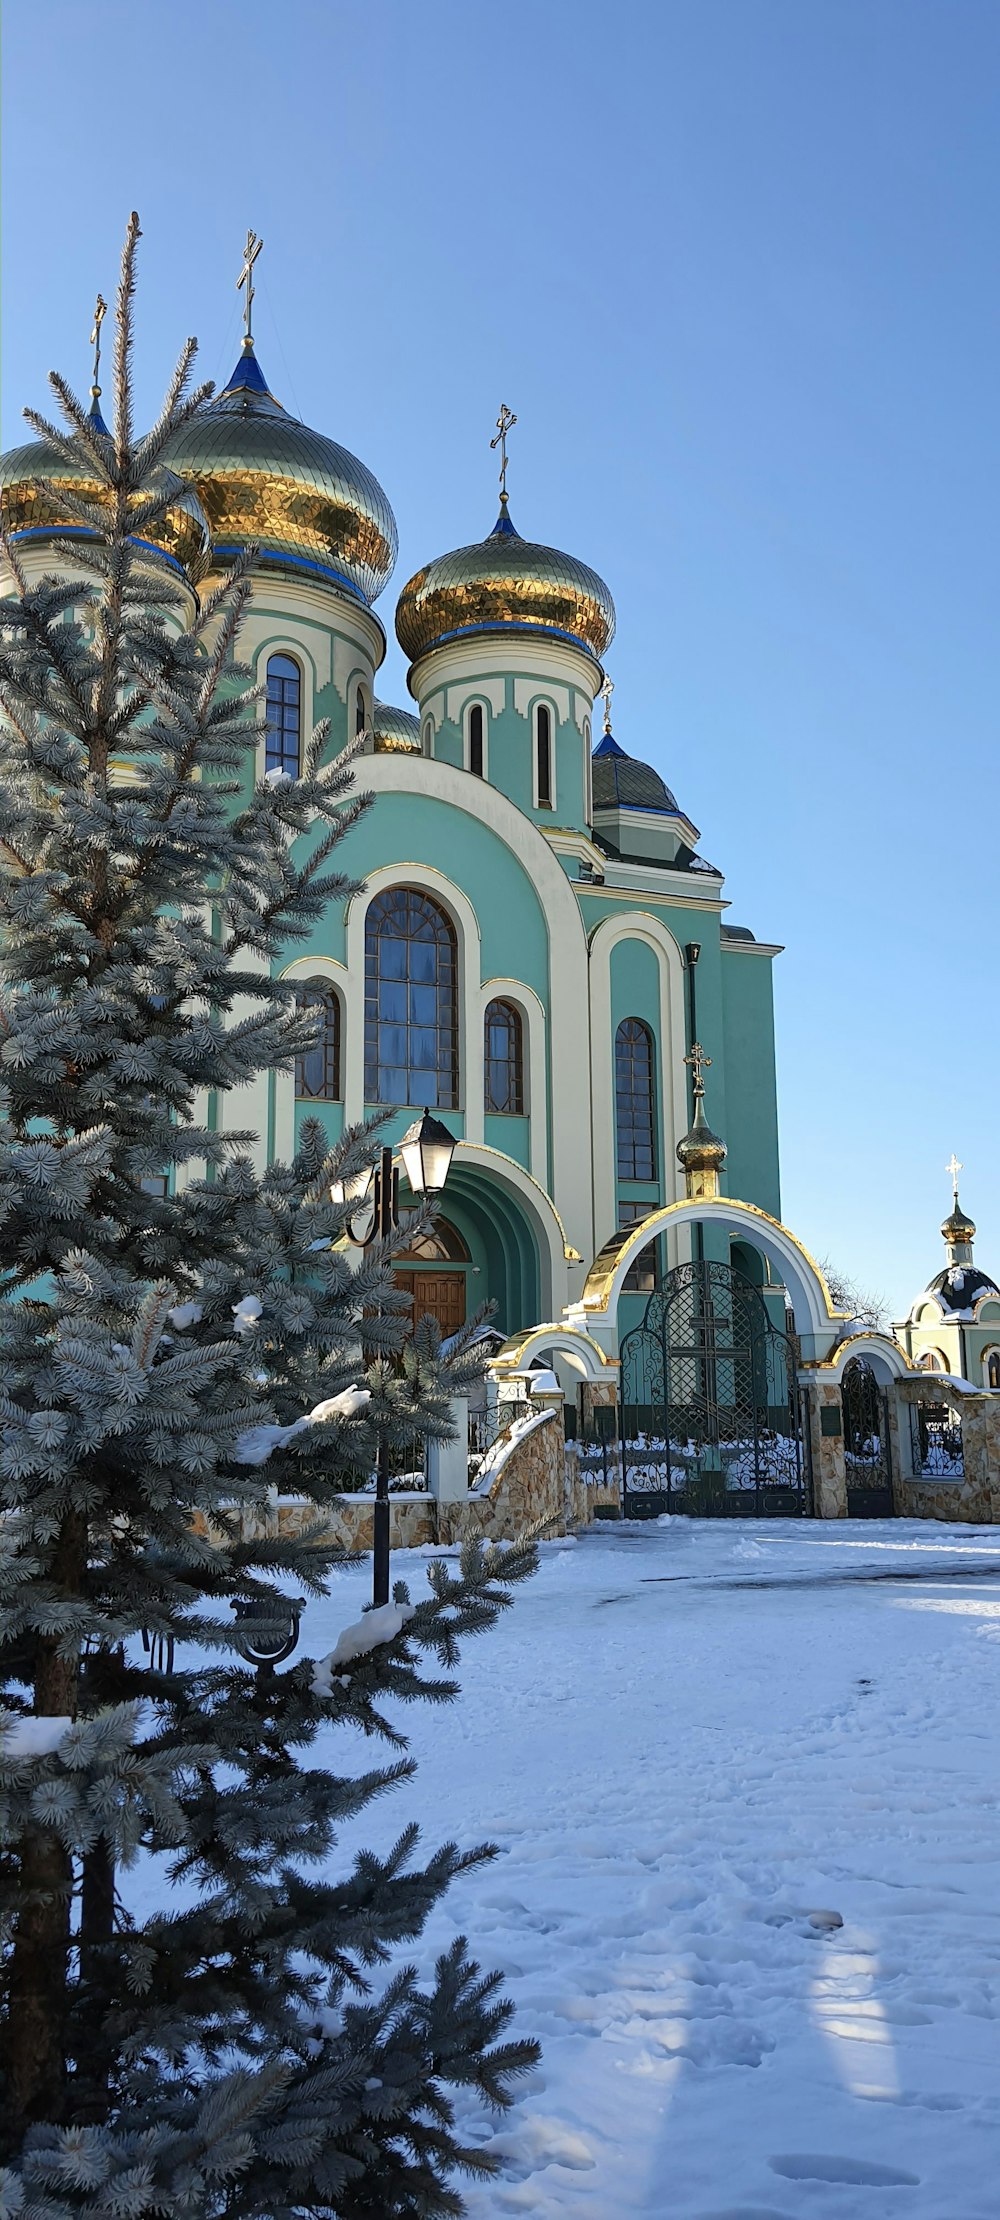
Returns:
point(427, 1149)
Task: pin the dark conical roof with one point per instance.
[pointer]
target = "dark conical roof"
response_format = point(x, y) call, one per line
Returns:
point(622, 782)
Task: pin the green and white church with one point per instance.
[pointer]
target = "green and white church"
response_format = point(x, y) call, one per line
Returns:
point(541, 955)
point(539, 940)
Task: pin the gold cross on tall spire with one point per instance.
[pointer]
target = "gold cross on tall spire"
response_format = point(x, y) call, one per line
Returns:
point(604, 694)
point(700, 1063)
point(954, 1167)
point(504, 421)
point(100, 312)
point(250, 253)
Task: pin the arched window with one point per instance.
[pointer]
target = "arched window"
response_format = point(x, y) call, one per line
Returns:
point(317, 1072)
point(543, 756)
point(932, 1361)
point(427, 737)
point(504, 1059)
point(993, 1369)
point(635, 1100)
point(283, 751)
point(360, 713)
point(411, 1008)
point(476, 740)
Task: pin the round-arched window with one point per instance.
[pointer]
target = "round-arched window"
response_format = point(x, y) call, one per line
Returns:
point(476, 727)
point(317, 1070)
point(993, 1369)
point(504, 1059)
point(635, 1100)
point(283, 747)
point(411, 1001)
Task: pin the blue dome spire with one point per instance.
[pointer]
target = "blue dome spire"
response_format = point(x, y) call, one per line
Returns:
point(248, 377)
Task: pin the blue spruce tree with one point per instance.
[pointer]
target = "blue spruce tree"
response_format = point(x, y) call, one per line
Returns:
point(166, 1360)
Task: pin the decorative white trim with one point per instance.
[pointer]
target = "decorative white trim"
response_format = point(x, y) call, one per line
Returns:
point(475, 656)
point(569, 1177)
point(535, 1062)
point(538, 1206)
point(671, 1051)
point(476, 701)
point(543, 701)
point(307, 967)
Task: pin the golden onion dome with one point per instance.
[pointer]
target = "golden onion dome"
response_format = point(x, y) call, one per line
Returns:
point(396, 731)
point(701, 1150)
point(33, 477)
point(957, 1228)
point(267, 480)
point(505, 583)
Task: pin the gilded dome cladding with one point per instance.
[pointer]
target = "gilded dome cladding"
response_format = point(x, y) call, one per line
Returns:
point(30, 510)
point(396, 731)
point(500, 582)
point(263, 477)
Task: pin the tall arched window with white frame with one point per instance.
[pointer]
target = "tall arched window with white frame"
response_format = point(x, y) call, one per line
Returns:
point(544, 790)
point(283, 747)
point(477, 740)
point(411, 1001)
point(360, 712)
point(992, 1369)
point(504, 1059)
point(635, 1100)
point(317, 1069)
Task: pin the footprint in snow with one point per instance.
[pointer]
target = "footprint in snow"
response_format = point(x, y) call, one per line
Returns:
point(861, 2173)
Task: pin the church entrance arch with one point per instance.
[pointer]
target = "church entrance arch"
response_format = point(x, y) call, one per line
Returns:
point(710, 1420)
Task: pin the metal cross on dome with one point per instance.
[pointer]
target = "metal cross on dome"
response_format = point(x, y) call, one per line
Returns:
point(250, 253)
point(504, 421)
point(954, 1167)
point(700, 1063)
point(604, 694)
point(100, 312)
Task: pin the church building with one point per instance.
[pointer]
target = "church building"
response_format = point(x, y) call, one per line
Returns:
point(541, 954)
point(540, 943)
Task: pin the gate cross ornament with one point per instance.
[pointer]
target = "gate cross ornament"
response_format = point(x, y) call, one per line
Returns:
point(699, 1064)
point(954, 1167)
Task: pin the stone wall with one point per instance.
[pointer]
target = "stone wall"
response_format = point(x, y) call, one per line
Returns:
point(534, 1477)
point(974, 1497)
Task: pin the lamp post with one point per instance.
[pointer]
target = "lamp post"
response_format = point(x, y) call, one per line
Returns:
point(426, 1149)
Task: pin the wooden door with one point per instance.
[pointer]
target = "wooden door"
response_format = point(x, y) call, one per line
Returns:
point(440, 1293)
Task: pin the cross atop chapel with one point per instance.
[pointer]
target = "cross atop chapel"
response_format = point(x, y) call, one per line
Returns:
point(504, 421)
point(699, 1063)
point(954, 1167)
point(245, 281)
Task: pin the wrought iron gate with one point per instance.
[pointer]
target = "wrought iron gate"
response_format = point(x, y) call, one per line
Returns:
point(867, 1450)
point(709, 1405)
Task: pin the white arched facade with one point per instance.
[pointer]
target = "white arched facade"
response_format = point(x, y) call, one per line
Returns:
point(671, 1049)
point(819, 1327)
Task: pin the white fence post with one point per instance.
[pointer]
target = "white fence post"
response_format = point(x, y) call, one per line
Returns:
point(448, 1461)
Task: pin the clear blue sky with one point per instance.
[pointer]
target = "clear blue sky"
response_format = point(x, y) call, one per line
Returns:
point(734, 263)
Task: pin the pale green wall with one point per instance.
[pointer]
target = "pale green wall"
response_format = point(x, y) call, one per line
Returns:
point(751, 1114)
point(510, 746)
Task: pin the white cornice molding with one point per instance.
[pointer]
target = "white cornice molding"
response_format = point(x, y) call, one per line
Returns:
point(483, 655)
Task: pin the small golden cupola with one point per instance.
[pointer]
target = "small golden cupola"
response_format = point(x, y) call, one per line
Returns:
point(701, 1154)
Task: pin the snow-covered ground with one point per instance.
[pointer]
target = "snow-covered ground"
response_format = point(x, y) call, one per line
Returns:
point(700, 1746)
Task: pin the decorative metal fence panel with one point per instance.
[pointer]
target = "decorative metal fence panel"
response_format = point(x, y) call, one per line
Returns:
point(867, 1443)
point(709, 1406)
point(938, 1453)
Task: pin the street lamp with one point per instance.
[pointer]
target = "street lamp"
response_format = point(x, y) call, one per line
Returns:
point(427, 1149)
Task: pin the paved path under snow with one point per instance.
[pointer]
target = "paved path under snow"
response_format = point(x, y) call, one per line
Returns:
point(687, 1739)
